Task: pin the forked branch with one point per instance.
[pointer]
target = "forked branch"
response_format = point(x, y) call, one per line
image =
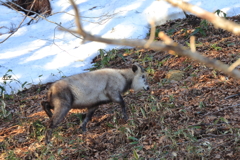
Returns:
point(169, 45)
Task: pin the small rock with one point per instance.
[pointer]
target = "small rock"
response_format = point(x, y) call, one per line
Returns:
point(175, 75)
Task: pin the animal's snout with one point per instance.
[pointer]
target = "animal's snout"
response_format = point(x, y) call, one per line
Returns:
point(146, 88)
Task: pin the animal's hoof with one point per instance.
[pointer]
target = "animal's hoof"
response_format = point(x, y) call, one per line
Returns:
point(47, 142)
point(84, 130)
point(125, 118)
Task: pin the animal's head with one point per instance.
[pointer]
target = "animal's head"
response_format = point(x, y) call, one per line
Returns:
point(140, 78)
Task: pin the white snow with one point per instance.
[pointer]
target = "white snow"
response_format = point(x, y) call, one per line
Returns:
point(40, 53)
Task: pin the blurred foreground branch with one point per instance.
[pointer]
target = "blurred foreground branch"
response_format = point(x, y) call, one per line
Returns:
point(215, 20)
point(169, 45)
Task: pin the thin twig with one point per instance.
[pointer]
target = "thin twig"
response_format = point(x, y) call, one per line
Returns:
point(221, 110)
point(238, 94)
point(192, 44)
point(19, 24)
point(234, 65)
point(152, 34)
point(210, 124)
point(214, 135)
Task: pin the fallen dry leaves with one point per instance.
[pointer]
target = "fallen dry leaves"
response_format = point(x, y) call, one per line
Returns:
point(185, 119)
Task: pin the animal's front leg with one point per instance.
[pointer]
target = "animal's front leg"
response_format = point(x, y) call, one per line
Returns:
point(116, 97)
point(123, 106)
point(88, 118)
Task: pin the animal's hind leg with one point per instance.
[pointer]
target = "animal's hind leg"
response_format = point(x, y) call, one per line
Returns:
point(123, 106)
point(32, 19)
point(60, 111)
point(116, 97)
point(88, 118)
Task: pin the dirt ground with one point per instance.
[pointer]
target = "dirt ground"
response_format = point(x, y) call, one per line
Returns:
point(183, 116)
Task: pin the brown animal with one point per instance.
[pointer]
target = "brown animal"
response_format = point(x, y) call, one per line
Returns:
point(89, 90)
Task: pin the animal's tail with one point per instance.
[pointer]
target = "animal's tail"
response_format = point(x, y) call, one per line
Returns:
point(47, 108)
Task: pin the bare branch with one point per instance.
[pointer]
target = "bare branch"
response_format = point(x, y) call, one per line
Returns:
point(165, 38)
point(211, 113)
point(8, 5)
point(14, 31)
point(19, 24)
point(192, 44)
point(215, 20)
point(170, 47)
point(152, 34)
point(77, 20)
point(234, 65)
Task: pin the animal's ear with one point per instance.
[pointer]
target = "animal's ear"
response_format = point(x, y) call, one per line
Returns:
point(134, 68)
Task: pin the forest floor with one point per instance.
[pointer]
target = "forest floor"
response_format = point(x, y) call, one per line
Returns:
point(184, 116)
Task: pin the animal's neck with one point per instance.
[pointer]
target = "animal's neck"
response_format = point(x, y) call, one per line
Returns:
point(128, 75)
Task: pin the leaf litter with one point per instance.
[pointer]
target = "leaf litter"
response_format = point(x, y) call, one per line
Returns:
point(178, 119)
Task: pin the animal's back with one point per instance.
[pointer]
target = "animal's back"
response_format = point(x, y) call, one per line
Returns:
point(92, 87)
